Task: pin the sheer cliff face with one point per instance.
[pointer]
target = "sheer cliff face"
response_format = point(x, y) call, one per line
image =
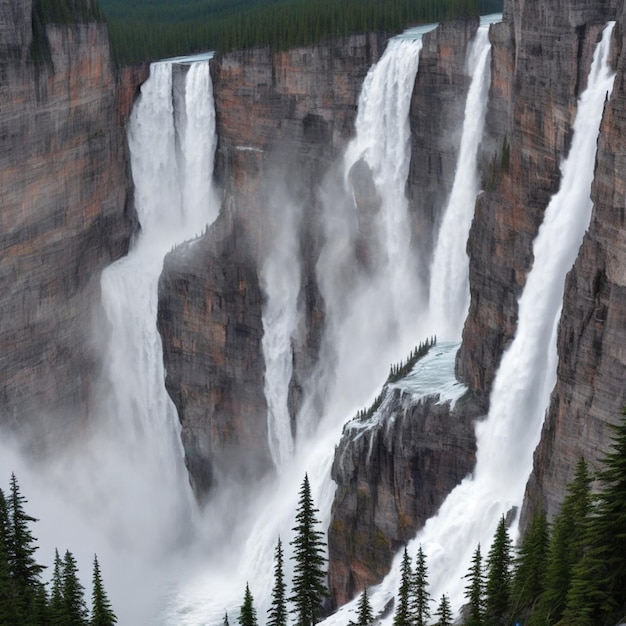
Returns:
point(63, 195)
point(590, 389)
point(281, 120)
point(541, 57)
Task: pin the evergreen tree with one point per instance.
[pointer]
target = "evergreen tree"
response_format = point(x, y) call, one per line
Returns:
point(565, 548)
point(57, 601)
point(24, 569)
point(247, 612)
point(475, 591)
point(101, 612)
point(364, 610)
point(277, 614)
point(529, 567)
point(444, 612)
point(308, 587)
point(498, 578)
point(402, 616)
point(7, 591)
point(75, 613)
point(225, 622)
point(597, 594)
point(420, 609)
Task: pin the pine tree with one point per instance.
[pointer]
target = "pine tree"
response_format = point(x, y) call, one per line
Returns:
point(57, 602)
point(308, 587)
point(420, 609)
point(101, 612)
point(597, 594)
point(24, 569)
point(277, 614)
point(75, 613)
point(402, 615)
point(565, 548)
point(475, 591)
point(444, 612)
point(498, 578)
point(247, 612)
point(7, 591)
point(225, 622)
point(529, 567)
point(364, 610)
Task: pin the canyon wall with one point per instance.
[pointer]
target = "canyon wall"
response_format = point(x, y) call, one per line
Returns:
point(282, 118)
point(65, 213)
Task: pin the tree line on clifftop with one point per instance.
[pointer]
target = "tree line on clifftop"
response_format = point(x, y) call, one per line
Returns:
point(24, 599)
point(154, 29)
point(571, 572)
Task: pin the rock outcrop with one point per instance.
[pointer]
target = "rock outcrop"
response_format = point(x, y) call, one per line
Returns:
point(64, 211)
point(282, 118)
point(590, 392)
point(392, 474)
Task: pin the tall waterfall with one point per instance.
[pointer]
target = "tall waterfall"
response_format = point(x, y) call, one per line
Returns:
point(527, 373)
point(449, 280)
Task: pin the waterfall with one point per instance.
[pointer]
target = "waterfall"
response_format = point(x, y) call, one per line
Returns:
point(449, 278)
point(507, 438)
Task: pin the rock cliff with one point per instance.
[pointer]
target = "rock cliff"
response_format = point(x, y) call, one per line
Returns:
point(282, 118)
point(64, 211)
point(590, 393)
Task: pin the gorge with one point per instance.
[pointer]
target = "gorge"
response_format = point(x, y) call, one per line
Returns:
point(297, 222)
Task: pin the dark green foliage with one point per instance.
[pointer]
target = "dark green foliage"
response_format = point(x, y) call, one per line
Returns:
point(530, 563)
point(308, 586)
point(277, 614)
point(368, 413)
point(57, 603)
point(475, 591)
point(365, 616)
point(420, 598)
point(444, 612)
point(150, 29)
point(400, 370)
point(402, 615)
point(101, 612)
point(7, 591)
point(498, 578)
point(75, 610)
point(565, 548)
point(225, 622)
point(247, 612)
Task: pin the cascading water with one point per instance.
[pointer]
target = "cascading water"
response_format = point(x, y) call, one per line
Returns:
point(449, 278)
point(508, 437)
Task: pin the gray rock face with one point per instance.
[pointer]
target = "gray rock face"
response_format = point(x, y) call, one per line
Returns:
point(281, 118)
point(64, 213)
point(590, 392)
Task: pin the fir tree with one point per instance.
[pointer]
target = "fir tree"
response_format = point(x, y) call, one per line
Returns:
point(24, 569)
point(308, 588)
point(565, 548)
point(402, 615)
point(75, 613)
point(247, 612)
point(498, 578)
point(57, 602)
point(225, 622)
point(597, 594)
point(277, 614)
point(420, 609)
point(101, 612)
point(529, 567)
point(7, 591)
point(364, 610)
point(475, 591)
point(444, 612)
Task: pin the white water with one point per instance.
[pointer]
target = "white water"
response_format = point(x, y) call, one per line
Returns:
point(449, 279)
point(507, 439)
point(124, 492)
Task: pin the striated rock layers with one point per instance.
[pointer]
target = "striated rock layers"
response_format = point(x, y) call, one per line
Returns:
point(540, 59)
point(282, 118)
point(63, 210)
point(590, 388)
